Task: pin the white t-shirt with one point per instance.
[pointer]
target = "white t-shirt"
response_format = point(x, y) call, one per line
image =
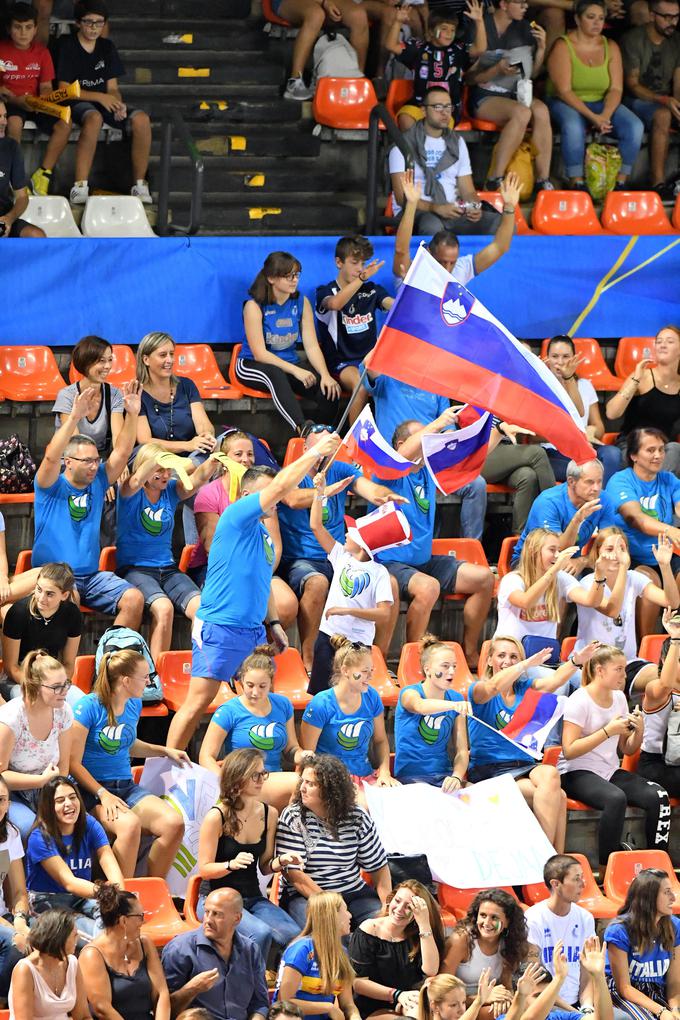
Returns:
point(547, 928)
point(582, 710)
point(10, 850)
point(462, 272)
point(588, 396)
point(513, 622)
point(595, 626)
point(30, 754)
point(433, 151)
point(356, 585)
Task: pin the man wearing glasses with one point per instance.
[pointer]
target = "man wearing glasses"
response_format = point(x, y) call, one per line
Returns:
point(651, 64)
point(69, 506)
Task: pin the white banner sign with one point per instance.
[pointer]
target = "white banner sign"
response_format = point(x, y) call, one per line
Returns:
point(483, 836)
point(191, 791)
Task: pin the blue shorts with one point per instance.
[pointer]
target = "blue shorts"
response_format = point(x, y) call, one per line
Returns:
point(337, 369)
point(102, 591)
point(126, 789)
point(298, 572)
point(218, 650)
point(80, 109)
point(644, 109)
point(443, 568)
point(162, 582)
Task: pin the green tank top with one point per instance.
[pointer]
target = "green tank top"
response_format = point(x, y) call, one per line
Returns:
point(590, 84)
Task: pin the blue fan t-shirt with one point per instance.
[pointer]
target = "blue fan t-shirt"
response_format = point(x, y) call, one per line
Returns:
point(420, 491)
point(281, 329)
point(396, 402)
point(267, 733)
point(650, 966)
point(301, 957)
point(144, 531)
point(421, 741)
point(347, 736)
point(107, 748)
point(40, 847)
point(68, 522)
point(657, 499)
point(297, 536)
point(240, 564)
point(552, 509)
point(486, 747)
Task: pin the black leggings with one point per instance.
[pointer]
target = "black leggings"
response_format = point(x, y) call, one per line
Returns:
point(613, 797)
point(283, 388)
point(653, 767)
point(322, 664)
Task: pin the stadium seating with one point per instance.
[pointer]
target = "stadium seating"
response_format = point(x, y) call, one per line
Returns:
point(83, 678)
point(191, 898)
point(505, 556)
point(161, 918)
point(115, 216)
point(409, 671)
point(382, 682)
point(676, 214)
point(17, 497)
point(399, 92)
point(344, 104)
point(593, 366)
point(494, 198)
point(650, 647)
point(268, 12)
point(629, 351)
point(296, 447)
point(174, 669)
point(53, 214)
point(550, 756)
point(185, 558)
point(29, 374)
point(458, 900)
point(197, 362)
point(592, 899)
point(624, 865)
point(123, 370)
point(470, 550)
point(245, 390)
point(635, 212)
point(565, 212)
point(291, 678)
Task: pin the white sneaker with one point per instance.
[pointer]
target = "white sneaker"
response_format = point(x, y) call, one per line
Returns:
point(140, 190)
point(80, 193)
point(296, 89)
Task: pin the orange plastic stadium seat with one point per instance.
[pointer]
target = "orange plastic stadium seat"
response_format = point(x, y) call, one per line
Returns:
point(24, 559)
point(635, 212)
point(593, 366)
point(185, 558)
point(83, 673)
point(17, 497)
point(197, 362)
point(568, 645)
point(468, 549)
point(409, 671)
point(269, 14)
point(29, 374)
point(483, 656)
point(296, 447)
point(676, 214)
point(161, 918)
point(400, 91)
point(191, 901)
point(550, 756)
point(246, 391)
point(291, 678)
point(382, 682)
point(631, 761)
point(565, 212)
point(458, 900)
point(505, 556)
point(494, 198)
point(344, 103)
point(174, 670)
point(650, 647)
point(630, 350)
point(107, 558)
point(592, 899)
point(123, 370)
point(624, 865)
point(609, 438)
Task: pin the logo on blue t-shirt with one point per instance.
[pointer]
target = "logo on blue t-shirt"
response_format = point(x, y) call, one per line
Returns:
point(353, 582)
point(268, 549)
point(648, 505)
point(429, 727)
point(503, 717)
point(456, 304)
point(111, 738)
point(78, 507)
point(421, 500)
point(348, 735)
point(262, 736)
point(152, 520)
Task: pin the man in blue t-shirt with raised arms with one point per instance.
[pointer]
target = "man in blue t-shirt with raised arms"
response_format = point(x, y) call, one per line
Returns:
point(69, 505)
point(236, 599)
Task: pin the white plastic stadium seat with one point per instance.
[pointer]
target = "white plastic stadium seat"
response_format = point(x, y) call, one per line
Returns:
point(115, 216)
point(53, 214)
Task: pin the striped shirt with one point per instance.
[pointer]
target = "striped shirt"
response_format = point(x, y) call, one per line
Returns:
point(334, 864)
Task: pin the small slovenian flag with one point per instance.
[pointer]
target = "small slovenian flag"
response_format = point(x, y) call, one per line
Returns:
point(535, 717)
point(455, 458)
point(369, 448)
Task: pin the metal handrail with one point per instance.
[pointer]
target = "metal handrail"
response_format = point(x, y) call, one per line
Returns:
point(380, 119)
point(174, 121)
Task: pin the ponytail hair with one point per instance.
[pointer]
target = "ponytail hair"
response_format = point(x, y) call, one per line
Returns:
point(35, 669)
point(114, 903)
point(59, 574)
point(262, 658)
point(347, 653)
point(603, 655)
point(435, 991)
point(429, 644)
point(114, 666)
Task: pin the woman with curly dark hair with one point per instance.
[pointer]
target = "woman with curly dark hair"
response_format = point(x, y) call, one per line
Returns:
point(392, 954)
point(236, 837)
point(493, 936)
point(335, 838)
point(643, 966)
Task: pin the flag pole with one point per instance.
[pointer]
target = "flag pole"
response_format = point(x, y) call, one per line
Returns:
point(326, 464)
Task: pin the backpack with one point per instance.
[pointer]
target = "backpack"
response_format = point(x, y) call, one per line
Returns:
point(334, 57)
point(17, 467)
point(522, 163)
point(602, 167)
point(115, 639)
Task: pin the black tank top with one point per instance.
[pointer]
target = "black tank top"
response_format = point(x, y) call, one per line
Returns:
point(244, 880)
point(654, 409)
point(131, 993)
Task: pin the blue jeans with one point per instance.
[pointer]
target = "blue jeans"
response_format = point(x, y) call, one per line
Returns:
point(263, 922)
point(361, 904)
point(21, 815)
point(88, 922)
point(472, 508)
point(628, 130)
point(6, 936)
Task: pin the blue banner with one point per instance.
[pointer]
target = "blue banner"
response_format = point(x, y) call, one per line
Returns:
point(56, 291)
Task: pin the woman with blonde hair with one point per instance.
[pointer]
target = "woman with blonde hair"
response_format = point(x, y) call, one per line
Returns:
point(35, 735)
point(237, 840)
point(172, 412)
point(444, 998)
point(393, 953)
point(597, 729)
point(104, 740)
point(315, 973)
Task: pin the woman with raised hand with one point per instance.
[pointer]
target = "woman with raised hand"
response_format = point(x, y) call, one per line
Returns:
point(393, 953)
point(643, 962)
point(104, 740)
point(36, 731)
point(257, 718)
point(315, 971)
point(60, 852)
point(428, 713)
point(237, 840)
point(48, 984)
point(444, 998)
point(92, 357)
point(121, 968)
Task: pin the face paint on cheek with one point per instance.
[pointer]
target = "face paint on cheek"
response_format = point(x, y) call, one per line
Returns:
point(357, 676)
point(438, 674)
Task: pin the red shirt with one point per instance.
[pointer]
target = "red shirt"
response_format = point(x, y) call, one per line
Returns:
point(27, 69)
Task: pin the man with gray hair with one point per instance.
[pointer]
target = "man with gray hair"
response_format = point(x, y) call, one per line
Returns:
point(69, 505)
point(575, 510)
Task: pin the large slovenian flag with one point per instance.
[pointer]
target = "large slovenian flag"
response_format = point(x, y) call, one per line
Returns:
point(456, 458)
point(368, 447)
point(439, 337)
point(535, 717)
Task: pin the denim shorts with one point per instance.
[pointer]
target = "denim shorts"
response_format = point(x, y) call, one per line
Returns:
point(443, 568)
point(642, 108)
point(102, 590)
point(161, 583)
point(80, 110)
point(298, 572)
point(126, 789)
point(217, 650)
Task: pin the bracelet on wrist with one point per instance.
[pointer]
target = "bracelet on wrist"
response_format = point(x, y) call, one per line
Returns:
point(567, 378)
point(424, 934)
point(604, 730)
point(272, 622)
point(460, 781)
point(633, 379)
point(227, 865)
point(675, 640)
point(508, 212)
point(395, 997)
point(602, 581)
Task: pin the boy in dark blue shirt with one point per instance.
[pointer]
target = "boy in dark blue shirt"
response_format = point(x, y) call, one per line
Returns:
point(345, 312)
